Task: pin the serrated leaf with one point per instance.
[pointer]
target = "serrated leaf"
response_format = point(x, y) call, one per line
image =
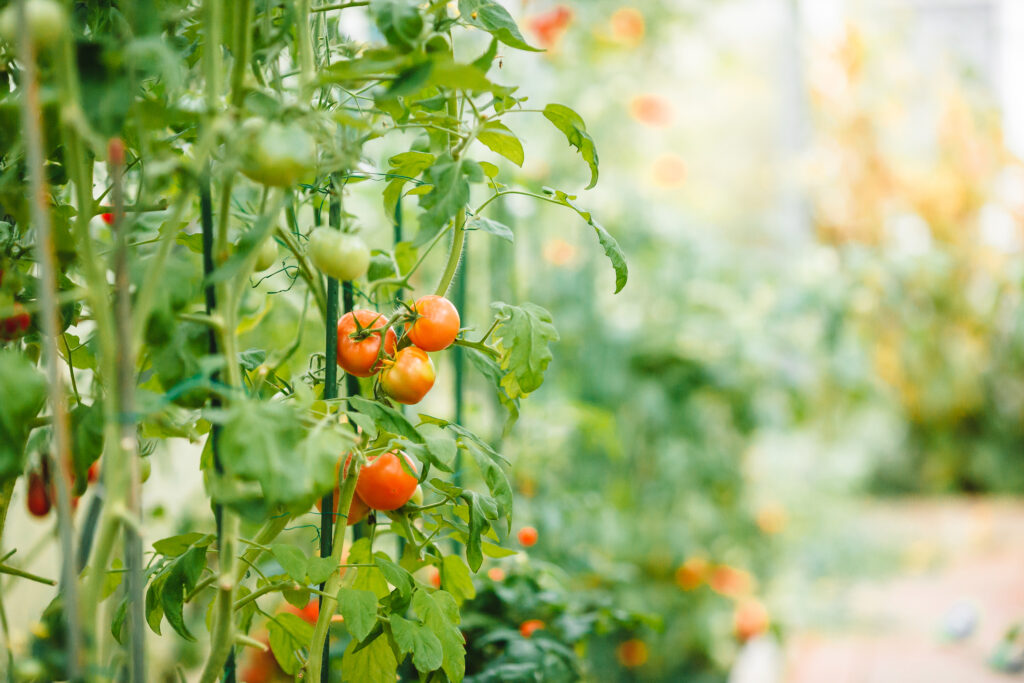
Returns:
point(500, 139)
point(373, 663)
point(289, 634)
point(490, 369)
point(490, 226)
point(359, 608)
point(456, 580)
point(575, 131)
point(523, 337)
point(440, 613)
point(398, 577)
point(367, 578)
point(450, 178)
point(418, 640)
point(495, 19)
point(387, 419)
point(172, 546)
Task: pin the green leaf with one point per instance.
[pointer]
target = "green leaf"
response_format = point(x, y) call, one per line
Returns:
point(523, 336)
point(374, 663)
point(174, 546)
point(608, 243)
point(450, 178)
point(359, 608)
point(575, 130)
point(440, 613)
point(387, 419)
point(495, 19)
point(23, 389)
point(367, 578)
point(478, 526)
point(166, 594)
point(418, 640)
point(289, 634)
point(399, 21)
point(292, 560)
point(484, 61)
point(320, 569)
point(244, 255)
point(398, 577)
point(501, 140)
point(456, 580)
point(87, 441)
point(490, 226)
point(489, 368)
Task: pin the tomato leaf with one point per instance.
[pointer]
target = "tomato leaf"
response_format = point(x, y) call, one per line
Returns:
point(450, 178)
point(501, 140)
point(495, 19)
point(416, 639)
point(172, 546)
point(292, 560)
point(371, 663)
point(359, 608)
point(490, 369)
point(575, 131)
point(24, 392)
point(387, 419)
point(320, 569)
point(456, 580)
point(169, 586)
point(523, 335)
point(608, 243)
point(289, 634)
point(398, 577)
point(490, 226)
point(367, 578)
point(440, 613)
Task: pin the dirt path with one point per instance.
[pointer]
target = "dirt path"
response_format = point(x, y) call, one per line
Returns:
point(959, 558)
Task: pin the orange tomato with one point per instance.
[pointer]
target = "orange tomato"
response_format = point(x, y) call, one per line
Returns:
point(530, 626)
point(438, 324)
point(409, 377)
point(384, 484)
point(691, 573)
point(527, 536)
point(750, 619)
point(632, 653)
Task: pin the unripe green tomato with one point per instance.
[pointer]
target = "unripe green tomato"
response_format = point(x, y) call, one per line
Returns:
point(340, 255)
point(145, 469)
point(46, 22)
point(417, 496)
point(266, 255)
point(275, 154)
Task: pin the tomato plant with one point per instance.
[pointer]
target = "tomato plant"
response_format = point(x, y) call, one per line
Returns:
point(201, 136)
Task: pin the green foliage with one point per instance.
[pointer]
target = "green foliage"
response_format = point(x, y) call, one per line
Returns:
point(24, 391)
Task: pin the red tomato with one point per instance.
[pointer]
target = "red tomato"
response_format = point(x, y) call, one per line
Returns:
point(750, 619)
point(527, 536)
point(39, 502)
point(384, 484)
point(309, 613)
point(108, 218)
point(437, 325)
point(435, 577)
point(260, 666)
point(359, 356)
point(94, 471)
point(15, 325)
point(730, 581)
point(549, 26)
point(409, 377)
point(496, 574)
point(530, 626)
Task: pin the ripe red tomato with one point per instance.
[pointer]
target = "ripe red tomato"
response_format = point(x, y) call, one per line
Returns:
point(691, 573)
point(496, 574)
point(384, 484)
point(39, 502)
point(358, 356)
point(108, 218)
point(527, 536)
point(530, 626)
point(16, 325)
point(437, 325)
point(409, 377)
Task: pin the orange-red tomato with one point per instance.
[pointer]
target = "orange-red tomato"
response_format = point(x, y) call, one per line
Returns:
point(359, 356)
point(691, 573)
point(437, 325)
point(15, 325)
point(730, 581)
point(527, 536)
point(549, 26)
point(530, 626)
point(496, 574)
point(260, 666)
point(632, 653)
point(628, 25)
point(108, 218)
point(409, 377)
point(357, 511)
point(750, 619)
point(384, 484)
point(309, 613)
point(94, 471)
point(435, 577)
point(39, 502)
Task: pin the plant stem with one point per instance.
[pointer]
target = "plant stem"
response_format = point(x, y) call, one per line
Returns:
point(329, 605)
point(305, 46)
point(31, 116)
point(342, 5)
point(455, 255)
point(4, 569)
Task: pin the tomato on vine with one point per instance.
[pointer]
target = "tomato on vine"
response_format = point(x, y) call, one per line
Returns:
point(527, 536)
point(359, 349)
point(277, 154)
point(266, 255)
point(341, 255)
point(409, 377)
point(39, 501)
point(384, 484)
point(436, 324)
point(15, 325)
point(531, 626)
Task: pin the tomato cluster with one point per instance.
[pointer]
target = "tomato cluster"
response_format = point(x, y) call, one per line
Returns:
point(368, 344)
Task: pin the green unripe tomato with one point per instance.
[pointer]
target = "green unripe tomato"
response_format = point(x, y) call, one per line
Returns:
point(417, 496)
point(266, 255)
point(340, 255)
point(145, 469)
point(46, 21)
point(277, 154)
